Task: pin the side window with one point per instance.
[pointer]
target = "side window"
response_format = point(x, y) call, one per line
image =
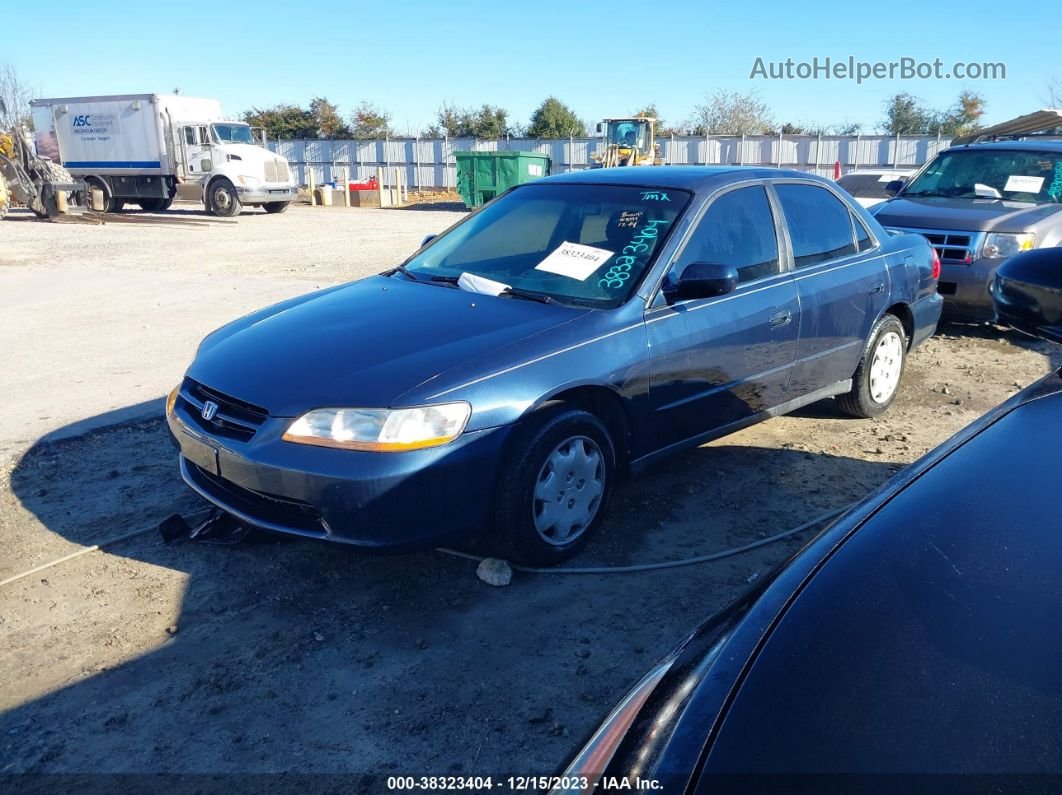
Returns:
point(863, 239)
point(737, 229)
point(204, 138)
point(820, 224)
point(189, 135)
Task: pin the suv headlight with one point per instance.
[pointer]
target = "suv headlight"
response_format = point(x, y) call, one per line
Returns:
point(381, 430)
point(999, 245)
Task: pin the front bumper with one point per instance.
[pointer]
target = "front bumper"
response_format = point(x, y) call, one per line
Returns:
point(965, 288)
point(388, 502)
point(262, 194)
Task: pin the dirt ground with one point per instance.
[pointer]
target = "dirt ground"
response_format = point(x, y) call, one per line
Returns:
point(299, 657)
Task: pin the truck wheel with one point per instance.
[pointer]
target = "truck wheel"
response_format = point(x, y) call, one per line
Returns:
point(109, 203)
point(223, 199)
point(155, 205)
point(552, 491)
point(276, 207)
point(54, 173)
point(877, 379)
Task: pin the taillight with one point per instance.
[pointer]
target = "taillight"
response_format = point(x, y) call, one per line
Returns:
point(936, 264)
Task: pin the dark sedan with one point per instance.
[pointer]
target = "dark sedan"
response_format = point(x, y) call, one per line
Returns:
point(573, 329)
point(912, 646)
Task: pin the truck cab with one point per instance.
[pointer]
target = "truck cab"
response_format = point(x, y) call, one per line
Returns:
point(223, 163)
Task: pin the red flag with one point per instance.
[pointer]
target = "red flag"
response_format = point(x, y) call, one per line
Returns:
point(836, 170)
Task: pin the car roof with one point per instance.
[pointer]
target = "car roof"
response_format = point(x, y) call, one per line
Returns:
point(695, 178)
point(927, 639)
point(1023, 146)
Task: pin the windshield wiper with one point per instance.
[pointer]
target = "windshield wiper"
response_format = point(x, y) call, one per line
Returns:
point(517, 292)
point(404, 271)
point(445, 279)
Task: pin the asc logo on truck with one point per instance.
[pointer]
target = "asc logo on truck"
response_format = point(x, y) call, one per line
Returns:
point(84, 123)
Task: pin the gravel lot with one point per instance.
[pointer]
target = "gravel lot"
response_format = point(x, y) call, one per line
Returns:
point(300, 657)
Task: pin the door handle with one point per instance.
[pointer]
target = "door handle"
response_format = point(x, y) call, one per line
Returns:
point(877, 288)
point(781, 317)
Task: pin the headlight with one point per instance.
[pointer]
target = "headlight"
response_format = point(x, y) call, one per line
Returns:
point(381, 430)
point(171, 399)
point(249, 182)
point(1001, 245)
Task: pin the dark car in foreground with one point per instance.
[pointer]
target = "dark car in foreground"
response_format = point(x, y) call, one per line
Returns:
point(913, 646)
point(979, 204)
point(573, 329)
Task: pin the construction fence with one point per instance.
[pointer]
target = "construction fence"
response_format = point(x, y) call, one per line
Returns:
point(428, 163)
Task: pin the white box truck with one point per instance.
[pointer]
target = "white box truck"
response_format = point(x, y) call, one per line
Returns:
point(143, 148)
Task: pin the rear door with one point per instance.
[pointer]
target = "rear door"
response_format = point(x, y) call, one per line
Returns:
point(841, 279)
point(716, 361)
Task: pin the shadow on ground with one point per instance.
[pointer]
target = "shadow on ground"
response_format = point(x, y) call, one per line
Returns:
point(308, 657)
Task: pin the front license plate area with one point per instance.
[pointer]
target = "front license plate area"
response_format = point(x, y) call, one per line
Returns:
point(200, 453)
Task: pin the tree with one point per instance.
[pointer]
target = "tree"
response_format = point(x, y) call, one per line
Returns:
point(732, 113)
point(1054, 92)
point(370, 122)
point(489, 121)
point(283, 121)
point(908, 115)
point(329, 123)
point(554, 119)
point(16, 96)
point(650, 112)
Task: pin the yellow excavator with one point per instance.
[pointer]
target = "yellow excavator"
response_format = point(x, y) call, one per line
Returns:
point(628, 142)
point(45, 187)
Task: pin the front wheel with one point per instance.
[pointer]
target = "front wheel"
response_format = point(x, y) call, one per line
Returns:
point(276, 207)
point(552, 492)
point(223, 200)
point(877, 379)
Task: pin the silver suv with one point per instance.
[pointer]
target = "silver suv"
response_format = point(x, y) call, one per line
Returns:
point(979, 204)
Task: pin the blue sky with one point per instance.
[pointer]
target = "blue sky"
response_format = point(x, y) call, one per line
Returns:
point(602, 58)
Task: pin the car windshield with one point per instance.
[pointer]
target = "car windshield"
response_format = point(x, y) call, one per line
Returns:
point(1013, 174)
point(866, 186)
point(579, 244)
point(232, 133)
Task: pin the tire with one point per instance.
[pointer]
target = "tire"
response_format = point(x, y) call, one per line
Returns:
point(222, 199)
point(276, 207)
point(155, 205)
point(877, 379)
point(110, 204)
point(54, 173)
point(533, 531)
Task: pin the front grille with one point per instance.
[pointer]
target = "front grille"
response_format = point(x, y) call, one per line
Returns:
point(276, 170)
point(952, 247)
point(234, 419)
point(268, 508)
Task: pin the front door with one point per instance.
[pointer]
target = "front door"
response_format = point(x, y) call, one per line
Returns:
point(198, 151)
point(716, 361)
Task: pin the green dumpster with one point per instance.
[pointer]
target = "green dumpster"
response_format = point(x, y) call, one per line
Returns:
point(483, 175)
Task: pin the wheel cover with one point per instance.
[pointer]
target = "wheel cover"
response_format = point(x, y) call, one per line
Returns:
point(886, 366)
point(568, 491)
point(222, 199)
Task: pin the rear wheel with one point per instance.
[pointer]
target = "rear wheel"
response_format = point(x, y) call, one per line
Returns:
point(276, 207)
point(222, 198)
point(110, 204)
point(552, 493)
point(155, 205)
point(877, 379)
point(54, 173)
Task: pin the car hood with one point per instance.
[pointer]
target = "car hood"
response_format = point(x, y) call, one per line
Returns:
point(970, 215)
point(362, 344)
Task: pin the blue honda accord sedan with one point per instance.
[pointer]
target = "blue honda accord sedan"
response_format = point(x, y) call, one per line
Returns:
point(573, 330)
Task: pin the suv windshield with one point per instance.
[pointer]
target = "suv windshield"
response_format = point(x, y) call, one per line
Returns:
point(1017, 175)
point(577, 244)
point(232, 133)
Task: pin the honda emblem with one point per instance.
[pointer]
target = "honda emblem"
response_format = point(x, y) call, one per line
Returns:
point(210, 408)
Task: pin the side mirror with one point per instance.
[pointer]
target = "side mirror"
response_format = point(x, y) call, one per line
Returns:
point(702, 280)
point(894, 187)
point(600, 128)
point(427, 239)
point(1027, 293)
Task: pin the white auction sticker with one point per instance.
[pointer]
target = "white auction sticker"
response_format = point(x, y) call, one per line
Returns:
point(574, 260)
point(1024, 184)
